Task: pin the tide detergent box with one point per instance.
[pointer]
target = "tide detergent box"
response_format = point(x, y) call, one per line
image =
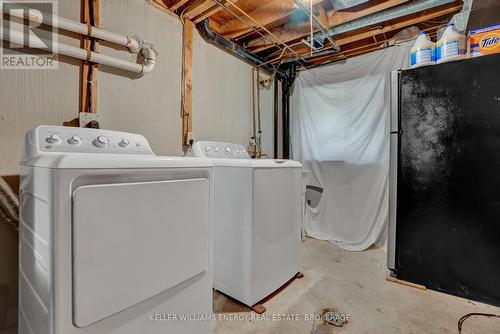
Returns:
point(484, 41)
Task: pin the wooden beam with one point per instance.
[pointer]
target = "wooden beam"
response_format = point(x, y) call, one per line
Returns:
point(199, 8)
point(266, 14)
point(425, 16)
point(85, 67)
point(335, 18)
point(178, 5)
point(187, 74)
point(210, 12)
point(357, 51)
point(160, 4)
point(399, 25)
point(323, 16)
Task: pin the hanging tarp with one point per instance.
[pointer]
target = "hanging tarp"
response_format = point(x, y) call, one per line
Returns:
point(340, 131)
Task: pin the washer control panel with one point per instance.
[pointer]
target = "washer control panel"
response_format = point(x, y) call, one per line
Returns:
point(213, 149)
point(84, 140)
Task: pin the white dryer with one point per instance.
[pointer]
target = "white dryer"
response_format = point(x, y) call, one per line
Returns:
point(257, 218)
point(110, 242)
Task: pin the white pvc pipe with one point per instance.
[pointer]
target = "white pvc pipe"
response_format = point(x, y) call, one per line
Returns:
point(70, 51)
point(39, 17)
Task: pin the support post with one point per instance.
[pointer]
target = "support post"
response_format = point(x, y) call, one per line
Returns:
point(187, 84)
point(88, 72)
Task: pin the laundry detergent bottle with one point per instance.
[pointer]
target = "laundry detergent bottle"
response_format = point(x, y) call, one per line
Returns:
point(422, 52)
point(451, 45)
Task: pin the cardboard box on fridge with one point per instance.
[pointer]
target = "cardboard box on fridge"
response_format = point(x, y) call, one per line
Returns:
point(484, 41)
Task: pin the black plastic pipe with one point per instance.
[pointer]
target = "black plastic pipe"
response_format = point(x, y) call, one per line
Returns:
point(275, 118)
point(287, 84)
point(217, 40)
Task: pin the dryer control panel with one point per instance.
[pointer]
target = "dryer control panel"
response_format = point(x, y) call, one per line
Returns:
point(214, 149)
point(63, 139)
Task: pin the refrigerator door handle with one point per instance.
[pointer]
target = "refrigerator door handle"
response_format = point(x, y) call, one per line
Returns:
point(395, 101)
point(393, 195)
point(393, 171)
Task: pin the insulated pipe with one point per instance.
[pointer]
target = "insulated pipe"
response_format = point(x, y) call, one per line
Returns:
point(70, 51)
point(213, 38)
point(275, 116)
point(39, 17)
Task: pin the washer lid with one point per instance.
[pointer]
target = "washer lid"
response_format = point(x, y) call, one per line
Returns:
point(112, 161)
point(220, 162)
point(275, 163)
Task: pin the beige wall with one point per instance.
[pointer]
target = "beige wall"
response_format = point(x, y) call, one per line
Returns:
point(32, 97)
point(222, 98)
point(150, 105)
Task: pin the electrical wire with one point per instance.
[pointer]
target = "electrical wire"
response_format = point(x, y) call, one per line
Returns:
point(183, 113)
point(311, 25)
point(90, 75)
point(275, 43)
point(467, 316)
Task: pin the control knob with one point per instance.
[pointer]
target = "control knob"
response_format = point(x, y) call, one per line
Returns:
point(124, 143)
point(53, 139)
point(100, 141)
point(74, 140)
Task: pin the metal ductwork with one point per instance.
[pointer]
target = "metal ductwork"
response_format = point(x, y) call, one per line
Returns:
point(408, 8)
point(344, 4)
point(217, 40)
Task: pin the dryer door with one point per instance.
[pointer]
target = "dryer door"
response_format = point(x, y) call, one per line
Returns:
point(132, 241)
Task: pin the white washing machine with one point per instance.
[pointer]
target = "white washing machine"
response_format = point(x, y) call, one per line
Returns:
point(113, 239)
point(257, 219)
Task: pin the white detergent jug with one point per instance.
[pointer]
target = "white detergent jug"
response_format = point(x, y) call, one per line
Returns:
point(422, 52)
point(451, 45)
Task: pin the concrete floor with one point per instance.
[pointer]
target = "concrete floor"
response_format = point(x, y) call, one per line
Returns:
point(354, 283)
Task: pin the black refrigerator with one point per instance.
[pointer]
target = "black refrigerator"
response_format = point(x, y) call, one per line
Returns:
point(444, 222)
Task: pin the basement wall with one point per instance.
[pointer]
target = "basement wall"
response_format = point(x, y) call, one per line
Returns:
point(32, 97)
point(149, 105)
point(222, 97)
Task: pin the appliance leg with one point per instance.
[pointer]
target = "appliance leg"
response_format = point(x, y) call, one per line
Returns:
point(299, 275)
point(258, 308)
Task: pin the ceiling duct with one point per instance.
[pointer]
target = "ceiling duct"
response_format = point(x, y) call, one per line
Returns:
point(343, 4)
point(411, 7)
point(319, 25)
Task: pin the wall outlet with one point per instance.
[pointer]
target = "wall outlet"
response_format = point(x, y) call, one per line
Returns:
point(189, 139)
point(87, 117)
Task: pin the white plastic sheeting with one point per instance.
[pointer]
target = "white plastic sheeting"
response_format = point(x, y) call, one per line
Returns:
point(340, 131)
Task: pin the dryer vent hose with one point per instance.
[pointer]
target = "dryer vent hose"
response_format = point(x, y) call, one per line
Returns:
point(9, 205)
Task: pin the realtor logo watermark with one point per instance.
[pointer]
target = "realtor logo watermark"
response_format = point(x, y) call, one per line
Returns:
point(29, 37)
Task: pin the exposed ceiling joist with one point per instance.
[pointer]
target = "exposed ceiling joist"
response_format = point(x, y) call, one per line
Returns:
point(272, 11)
point(178, 5)
point(199, 8)
point(403, 23)
point(212, 11)
point(276, 30)
point(364, 48)
point(334, 18)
